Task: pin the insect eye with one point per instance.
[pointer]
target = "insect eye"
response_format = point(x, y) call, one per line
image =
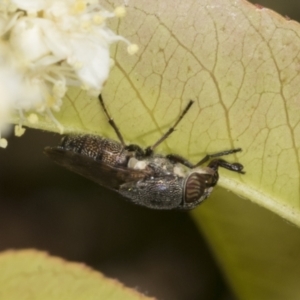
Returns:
point(195, 186)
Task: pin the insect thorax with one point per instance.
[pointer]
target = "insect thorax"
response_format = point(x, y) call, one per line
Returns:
point(171, 186)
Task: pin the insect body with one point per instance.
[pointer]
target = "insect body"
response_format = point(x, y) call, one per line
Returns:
point(143, 177)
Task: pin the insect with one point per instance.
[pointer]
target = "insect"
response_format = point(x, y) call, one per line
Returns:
point(142, 176)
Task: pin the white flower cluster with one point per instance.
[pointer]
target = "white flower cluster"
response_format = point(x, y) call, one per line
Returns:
point(48, 45)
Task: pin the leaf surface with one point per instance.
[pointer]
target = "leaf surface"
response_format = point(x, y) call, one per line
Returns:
point(30, 274)
point(240, 63)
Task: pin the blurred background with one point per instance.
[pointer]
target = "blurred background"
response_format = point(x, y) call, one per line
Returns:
point(45, 207)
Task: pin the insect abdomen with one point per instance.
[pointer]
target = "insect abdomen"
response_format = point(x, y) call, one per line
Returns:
point(105, 150)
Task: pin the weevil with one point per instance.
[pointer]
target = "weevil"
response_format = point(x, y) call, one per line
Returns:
point(142, 176)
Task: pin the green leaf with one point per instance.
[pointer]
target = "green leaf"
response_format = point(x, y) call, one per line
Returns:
point(257, 250)
point(31, 274)
point(240, 63)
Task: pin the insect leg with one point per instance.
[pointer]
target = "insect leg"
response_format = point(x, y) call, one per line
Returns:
point(235, 167)
point(174, 158)
point(210, 156)
point(111, 121)
point(139, 152)
point(149, 150)
point(214, 164)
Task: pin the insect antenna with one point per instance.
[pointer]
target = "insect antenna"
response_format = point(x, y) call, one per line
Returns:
point(149, 150)
point(111, 121)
